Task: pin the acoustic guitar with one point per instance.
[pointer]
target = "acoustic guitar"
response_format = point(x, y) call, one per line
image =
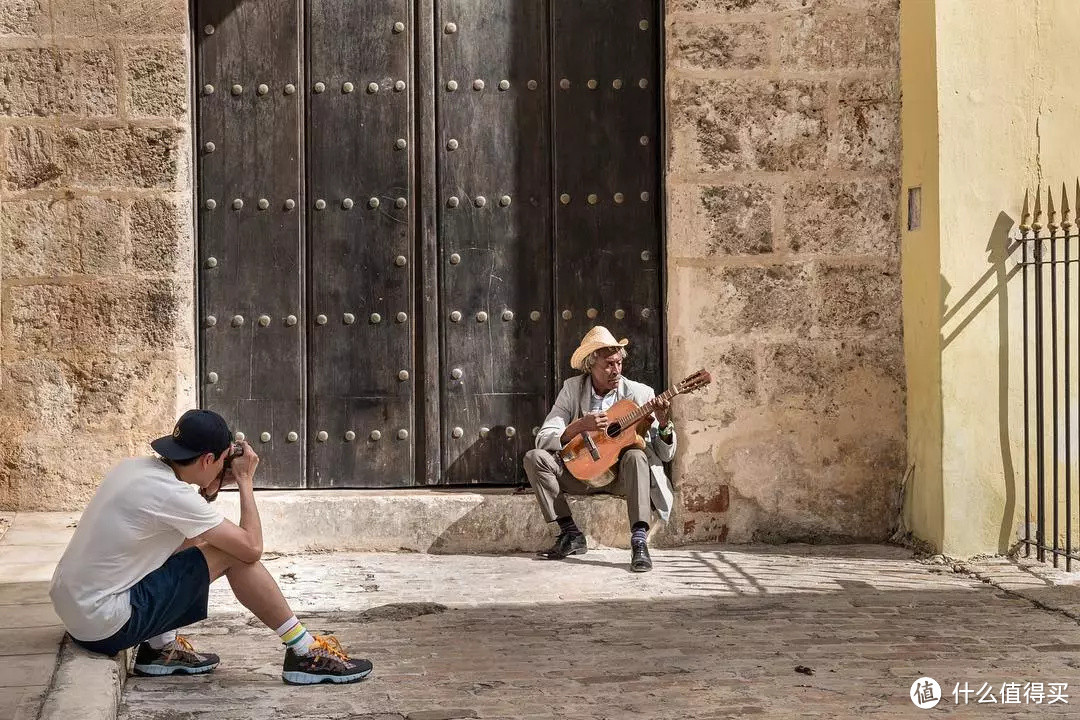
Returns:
point(590, 455)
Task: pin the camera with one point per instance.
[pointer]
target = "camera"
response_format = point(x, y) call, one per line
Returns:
point(235, 451)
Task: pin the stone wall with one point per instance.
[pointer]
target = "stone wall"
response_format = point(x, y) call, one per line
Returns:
point(783, 262)
point(783, 266)
point(95, 250)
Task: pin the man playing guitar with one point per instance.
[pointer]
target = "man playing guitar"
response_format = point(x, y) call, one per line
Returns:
point(639, 474)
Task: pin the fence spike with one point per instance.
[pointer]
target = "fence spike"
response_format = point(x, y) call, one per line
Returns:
point(1066, 211)
point(1051, 214)
point(1025, 215)
point(1037, 225)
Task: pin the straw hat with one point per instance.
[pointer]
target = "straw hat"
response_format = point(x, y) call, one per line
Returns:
point(597, 338)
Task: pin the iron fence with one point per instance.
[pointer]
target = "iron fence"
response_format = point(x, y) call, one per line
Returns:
point(1050, 359)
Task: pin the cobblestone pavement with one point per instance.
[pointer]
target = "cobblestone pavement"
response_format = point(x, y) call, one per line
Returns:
point(784, 632)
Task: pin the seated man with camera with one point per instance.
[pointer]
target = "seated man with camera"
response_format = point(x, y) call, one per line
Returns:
point(149, 544)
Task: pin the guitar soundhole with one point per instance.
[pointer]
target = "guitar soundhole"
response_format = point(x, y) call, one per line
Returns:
point(614, 429)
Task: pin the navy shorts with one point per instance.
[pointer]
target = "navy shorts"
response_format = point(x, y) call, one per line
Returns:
point(171, 597)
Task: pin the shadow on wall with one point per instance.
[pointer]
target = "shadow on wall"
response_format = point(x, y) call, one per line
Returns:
point(992, 287)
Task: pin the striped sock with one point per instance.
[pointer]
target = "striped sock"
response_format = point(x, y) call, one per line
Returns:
point(639, 534)
point(295, 636)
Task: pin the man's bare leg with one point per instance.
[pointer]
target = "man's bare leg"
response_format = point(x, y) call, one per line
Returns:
point(252, 584)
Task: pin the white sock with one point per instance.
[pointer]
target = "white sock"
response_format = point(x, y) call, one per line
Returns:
point(159, 641)
point(295, 636)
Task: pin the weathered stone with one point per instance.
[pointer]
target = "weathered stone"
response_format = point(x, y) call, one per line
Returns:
point(858, 299)
point(869, 125)
point(94, 391)
point(720, 220)
point(112, 157)
point(834, 378)
point(819, 41)
point(724, 125)
point(707, 302)
point(157, 80)
point(105, 314)
point(734, 8)
point(734, 370)
point(145, 17)
point(799, 475)
point(49, 238)
point(717, 47)
point(54, 81)
point(156, 226)
point(23, 17)
point(842, 218)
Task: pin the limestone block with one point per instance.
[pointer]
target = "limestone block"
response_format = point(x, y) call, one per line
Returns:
point(694, 46)
point(842, 218)
point(869, 125)
point(157, 80)
point(858, 379)
point(54, 81)
point(110, 157)
point(725, 125)
point(48, 238)
point(714, 302)
point(23, 17)
point(857, 299)
point(81, 18)
point(732, 6)
point(93, 391)
point(735, 8)
point(712, 220)
point(157, 228)
point(864, 41)
point(109, 315)
point(734, 370)
point(793, 476)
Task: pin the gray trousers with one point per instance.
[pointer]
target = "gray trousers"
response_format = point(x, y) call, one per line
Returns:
point(552, 483)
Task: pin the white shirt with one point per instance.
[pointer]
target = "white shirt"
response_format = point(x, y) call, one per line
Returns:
point(138, 517)
point(601, 404)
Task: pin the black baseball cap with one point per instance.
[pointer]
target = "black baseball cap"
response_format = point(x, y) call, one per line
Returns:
point(196, 432)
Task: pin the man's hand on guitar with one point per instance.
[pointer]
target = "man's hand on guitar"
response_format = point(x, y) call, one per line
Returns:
point(662, 410)
point(594, 421)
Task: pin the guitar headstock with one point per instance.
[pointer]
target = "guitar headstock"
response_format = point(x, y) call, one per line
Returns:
point(695, 381)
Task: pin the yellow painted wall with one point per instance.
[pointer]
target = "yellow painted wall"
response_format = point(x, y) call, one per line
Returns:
point(1007, 118)
point(920, 270)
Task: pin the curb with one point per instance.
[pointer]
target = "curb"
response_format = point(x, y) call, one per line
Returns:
point(84, 685)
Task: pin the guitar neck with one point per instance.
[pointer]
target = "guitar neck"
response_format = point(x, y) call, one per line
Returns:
point(646, 409)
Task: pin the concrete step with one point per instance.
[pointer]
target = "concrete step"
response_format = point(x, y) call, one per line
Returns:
point(435, 521)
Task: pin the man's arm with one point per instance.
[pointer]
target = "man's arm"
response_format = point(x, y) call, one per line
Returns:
point(550, 435)
point(243, 541)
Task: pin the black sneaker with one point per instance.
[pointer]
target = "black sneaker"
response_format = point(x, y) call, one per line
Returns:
point(176, 657)
point(326, 661)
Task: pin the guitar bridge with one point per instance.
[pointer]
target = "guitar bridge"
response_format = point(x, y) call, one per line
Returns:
point(594, 452)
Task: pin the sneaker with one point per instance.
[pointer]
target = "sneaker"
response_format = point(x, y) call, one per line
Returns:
point(326, 661)
point(176, 657)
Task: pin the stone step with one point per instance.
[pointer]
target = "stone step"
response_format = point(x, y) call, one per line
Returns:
point(435, 521)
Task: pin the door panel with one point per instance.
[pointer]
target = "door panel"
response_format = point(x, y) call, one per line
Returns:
point(361, 237)
point(494, 195)
point(605, 61)
point(250, 219)
point(541, 218)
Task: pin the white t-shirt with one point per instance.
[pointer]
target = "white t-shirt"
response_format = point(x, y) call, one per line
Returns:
point(139, 516)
